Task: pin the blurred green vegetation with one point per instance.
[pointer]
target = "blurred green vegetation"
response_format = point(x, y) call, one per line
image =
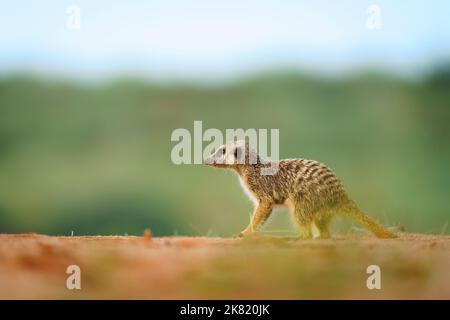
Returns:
point(95, 158)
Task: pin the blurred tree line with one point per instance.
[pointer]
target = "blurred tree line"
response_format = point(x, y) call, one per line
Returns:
point(94, 158)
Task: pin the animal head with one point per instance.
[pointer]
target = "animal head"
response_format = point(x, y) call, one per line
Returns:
point(233, 155)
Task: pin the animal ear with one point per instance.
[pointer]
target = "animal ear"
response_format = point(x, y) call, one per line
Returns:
point(239, 155)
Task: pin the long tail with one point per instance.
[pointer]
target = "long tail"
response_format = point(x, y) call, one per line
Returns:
point(352, 211)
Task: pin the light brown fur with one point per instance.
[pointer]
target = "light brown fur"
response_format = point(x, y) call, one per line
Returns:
point(309, 188)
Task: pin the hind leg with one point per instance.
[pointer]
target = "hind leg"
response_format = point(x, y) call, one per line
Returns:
point(322, 223)
point(305, 231)
point(304, 221)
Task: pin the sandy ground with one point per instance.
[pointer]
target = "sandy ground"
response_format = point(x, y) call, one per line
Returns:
point(413, 266)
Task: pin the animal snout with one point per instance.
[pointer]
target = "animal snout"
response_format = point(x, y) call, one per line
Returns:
point(208, 161)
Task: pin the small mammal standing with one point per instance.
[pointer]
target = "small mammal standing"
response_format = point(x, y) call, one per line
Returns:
point(309, 188)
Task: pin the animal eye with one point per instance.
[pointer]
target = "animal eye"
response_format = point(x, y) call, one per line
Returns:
point(223, 151)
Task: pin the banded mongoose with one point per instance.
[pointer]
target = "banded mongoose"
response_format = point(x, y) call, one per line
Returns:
point(310, 189)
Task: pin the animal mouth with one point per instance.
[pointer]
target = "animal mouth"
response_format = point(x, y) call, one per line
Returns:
point(212, 163)
point(208, 162)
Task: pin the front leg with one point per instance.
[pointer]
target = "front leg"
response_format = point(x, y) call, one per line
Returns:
point(260, 215)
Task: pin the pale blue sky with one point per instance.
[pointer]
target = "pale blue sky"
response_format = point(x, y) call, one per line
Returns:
point(209, 39)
